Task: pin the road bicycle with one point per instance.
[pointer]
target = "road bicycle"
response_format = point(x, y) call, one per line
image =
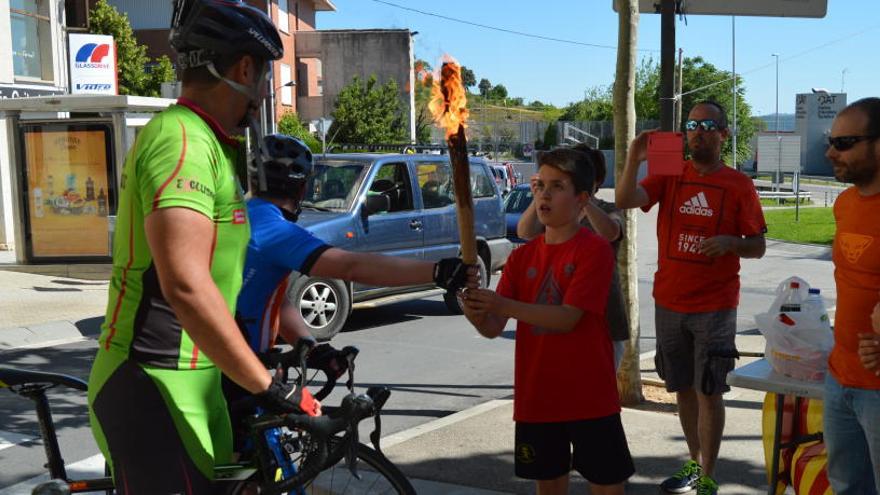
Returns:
point(292, 453)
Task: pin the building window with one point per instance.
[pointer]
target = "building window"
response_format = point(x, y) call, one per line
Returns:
point(286, 91)
point(31, 39)
point(283, 16)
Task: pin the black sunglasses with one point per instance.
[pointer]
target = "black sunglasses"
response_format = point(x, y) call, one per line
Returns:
point(843, 143)
point(706, 124)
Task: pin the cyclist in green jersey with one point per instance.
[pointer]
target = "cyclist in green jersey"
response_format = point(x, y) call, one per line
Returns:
point(155, 400)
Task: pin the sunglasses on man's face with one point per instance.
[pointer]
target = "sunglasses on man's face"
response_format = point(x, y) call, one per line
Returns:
point(843, 143)
point(706, 124)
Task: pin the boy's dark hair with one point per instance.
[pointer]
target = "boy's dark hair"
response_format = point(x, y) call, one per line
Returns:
point(871, 108)
point(722, 120)
point(576, 164)
point(597, 158)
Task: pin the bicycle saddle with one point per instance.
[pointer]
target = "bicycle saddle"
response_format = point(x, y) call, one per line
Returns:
point(15, 376)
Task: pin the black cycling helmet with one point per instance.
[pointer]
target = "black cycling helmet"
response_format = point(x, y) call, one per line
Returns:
point(203, 30)
point(287, 163)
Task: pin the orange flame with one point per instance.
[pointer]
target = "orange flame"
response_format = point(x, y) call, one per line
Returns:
point(448, 102)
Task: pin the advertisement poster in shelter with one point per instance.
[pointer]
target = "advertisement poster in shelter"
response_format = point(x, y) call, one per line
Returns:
point(70, 192)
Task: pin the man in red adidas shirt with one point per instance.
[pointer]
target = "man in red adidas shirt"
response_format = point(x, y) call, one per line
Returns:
point(709, 218)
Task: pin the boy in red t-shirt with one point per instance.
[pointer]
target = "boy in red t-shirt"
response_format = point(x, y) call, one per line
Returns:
point(556, 287)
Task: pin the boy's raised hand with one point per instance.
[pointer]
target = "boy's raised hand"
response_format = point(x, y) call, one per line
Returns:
point(484, 300)
point(533, 183)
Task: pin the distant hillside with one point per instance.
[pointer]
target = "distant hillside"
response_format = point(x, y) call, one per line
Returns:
point(786, 121)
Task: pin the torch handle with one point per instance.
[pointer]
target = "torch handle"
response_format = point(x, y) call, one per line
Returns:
point(464, 203)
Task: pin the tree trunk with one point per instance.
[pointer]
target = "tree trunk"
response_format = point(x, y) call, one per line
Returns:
point(629, 381)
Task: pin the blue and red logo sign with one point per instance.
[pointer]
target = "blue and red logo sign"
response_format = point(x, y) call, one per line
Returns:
point(91, 55)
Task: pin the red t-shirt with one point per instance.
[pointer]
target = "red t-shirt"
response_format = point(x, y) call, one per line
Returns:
point(563, 376)
point(694, 208)
point(857, 274)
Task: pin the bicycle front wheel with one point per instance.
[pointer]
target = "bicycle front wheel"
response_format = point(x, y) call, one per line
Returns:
point(378, 475)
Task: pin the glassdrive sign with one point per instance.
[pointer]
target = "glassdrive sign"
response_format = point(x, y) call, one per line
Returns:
point(92, 64)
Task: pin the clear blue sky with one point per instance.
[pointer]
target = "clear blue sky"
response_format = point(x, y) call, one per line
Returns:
point(558, 73)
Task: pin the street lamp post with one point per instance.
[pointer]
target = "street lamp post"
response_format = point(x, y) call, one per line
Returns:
point(778, 138)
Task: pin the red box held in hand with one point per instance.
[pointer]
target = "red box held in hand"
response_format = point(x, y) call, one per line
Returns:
point(665, 153)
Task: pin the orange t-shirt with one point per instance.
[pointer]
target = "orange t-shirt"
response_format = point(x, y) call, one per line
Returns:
point(857, 274)
point(693, 208)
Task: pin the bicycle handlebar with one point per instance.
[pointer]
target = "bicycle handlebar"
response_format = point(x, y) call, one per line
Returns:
point(353, 410)
point(301, 357)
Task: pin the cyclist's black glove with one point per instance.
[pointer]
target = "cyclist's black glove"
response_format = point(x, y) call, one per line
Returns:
point(283, 398)
point(450, 274)
point(325, 357)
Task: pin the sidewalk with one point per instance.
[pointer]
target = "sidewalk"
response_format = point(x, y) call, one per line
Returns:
point(474, 448)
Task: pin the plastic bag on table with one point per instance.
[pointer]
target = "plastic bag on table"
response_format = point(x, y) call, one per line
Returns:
point(798, 342)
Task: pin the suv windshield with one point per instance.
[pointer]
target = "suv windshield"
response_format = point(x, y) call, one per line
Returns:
point(518, 200)
point(333, 185)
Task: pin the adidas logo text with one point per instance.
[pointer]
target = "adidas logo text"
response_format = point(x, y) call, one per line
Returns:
point(697, 206)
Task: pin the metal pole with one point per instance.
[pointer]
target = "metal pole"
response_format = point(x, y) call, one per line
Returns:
point(679, 84)
point(778, 138)
point(735, 130)
point(667, 65)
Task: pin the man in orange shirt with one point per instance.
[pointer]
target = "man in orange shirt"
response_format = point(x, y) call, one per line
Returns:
point(709, 218)
point(852, 390)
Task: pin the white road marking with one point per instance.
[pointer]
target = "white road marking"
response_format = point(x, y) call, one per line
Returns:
point(10, 439)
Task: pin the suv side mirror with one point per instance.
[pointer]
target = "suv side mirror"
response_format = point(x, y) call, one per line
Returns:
point(376, 203)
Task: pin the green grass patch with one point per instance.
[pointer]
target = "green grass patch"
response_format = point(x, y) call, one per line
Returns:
point(814, 225)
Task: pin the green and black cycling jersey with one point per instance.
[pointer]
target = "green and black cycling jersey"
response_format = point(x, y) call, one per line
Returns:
point(156, 405)
point(177, 161)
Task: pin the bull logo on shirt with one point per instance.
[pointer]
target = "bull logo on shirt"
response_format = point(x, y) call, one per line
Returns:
point(854, 245)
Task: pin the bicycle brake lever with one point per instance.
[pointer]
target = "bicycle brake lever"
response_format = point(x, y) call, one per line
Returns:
point(350, 382)
point(351, 455)
point(377, 432)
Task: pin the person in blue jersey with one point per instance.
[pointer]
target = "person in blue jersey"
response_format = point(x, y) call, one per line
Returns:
point(279, 246)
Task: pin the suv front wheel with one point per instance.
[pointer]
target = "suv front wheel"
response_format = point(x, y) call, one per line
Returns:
point(324, 304)
point(450, 298)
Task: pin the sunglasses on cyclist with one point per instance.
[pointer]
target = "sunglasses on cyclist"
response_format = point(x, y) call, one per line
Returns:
point(843, 143)
point(706, 124)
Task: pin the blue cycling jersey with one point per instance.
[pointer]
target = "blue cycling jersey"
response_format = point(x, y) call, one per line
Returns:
point(277, 246)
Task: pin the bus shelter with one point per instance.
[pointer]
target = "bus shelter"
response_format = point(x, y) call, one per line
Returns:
point(60, 168)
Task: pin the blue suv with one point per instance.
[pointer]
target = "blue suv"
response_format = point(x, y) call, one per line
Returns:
point(399, 205)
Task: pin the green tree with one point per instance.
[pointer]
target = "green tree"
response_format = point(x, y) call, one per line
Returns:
point(369, 113)
point(135, 78)
point(596, 105)
point(647, 93)
point(485, 86)
point(498, 92)
point(468, 79)
point(290, 124)
point(162, 71)
point(551, 136)
point(424, 119)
